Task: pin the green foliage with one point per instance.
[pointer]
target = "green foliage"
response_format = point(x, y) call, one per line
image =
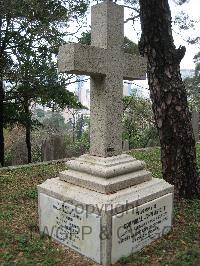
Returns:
point(137, 262)
point(152, 158)
point(190, 257)
point(38, 82)
point(133, 4)
point(51, 123)
point(77, 147)
point(129, 46)
point(138, 122)
point(30, 35)
point(184, 22)
point(8, 157)
point(197, 67)
point(85, 38)
point(40, 113)
point(25, 25)
point(193, 86)
point(25, 195)
point(54, 123)
point(82, 125)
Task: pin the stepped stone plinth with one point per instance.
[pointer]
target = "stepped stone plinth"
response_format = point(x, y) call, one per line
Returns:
point(105, 175)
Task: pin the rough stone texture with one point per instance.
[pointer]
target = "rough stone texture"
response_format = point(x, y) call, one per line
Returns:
point(53, 148)
point(89, 60)
point(134, 67)
point(103, 185)
point(19, 153)
point(107, 65)
point(126, 145)
point(104, 206)
point(195, 124)
point(107, 25)
point(132, 196)
point(106, 182)
point(82, 59)
point(108, 161)
point(105, 175)
point(115, 166)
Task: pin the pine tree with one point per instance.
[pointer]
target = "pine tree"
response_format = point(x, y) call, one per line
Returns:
point(169, 98)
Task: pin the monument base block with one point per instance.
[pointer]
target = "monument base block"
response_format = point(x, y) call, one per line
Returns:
point(105, 227)
point(105, 175)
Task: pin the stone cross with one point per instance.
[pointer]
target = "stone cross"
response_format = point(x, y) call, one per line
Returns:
point(108, 65)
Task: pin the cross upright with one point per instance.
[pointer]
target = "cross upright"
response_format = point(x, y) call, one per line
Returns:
point(108, 65)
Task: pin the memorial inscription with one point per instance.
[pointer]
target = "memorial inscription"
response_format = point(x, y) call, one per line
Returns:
point(71, 226)
point(140, 226)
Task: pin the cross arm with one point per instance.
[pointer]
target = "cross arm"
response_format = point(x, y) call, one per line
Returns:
point(81, 59)
point(135, 67)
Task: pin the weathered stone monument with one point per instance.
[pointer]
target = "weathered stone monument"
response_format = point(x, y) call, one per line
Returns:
point(19, 153)
point(195, 124)
point(106, 205)
point(125, 145)
point(53, 148)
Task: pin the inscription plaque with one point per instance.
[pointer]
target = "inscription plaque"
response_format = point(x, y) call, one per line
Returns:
point(71, 226)
point(137, 227)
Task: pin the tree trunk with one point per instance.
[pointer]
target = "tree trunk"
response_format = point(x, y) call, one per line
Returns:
point(169, 98)
point(28, 131)
point(1, 124)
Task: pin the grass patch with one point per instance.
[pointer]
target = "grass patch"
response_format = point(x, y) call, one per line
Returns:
point(188, 258)
point(21, 243)
point(25, 195)
point(151, 156)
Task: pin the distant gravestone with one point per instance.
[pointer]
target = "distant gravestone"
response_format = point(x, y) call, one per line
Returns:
point(19, 153)
point(125, 145)
point(53, 148)
point(195, 124)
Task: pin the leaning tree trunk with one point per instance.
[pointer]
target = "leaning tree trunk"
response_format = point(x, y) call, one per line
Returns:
point(1, 124)
point(168, 95)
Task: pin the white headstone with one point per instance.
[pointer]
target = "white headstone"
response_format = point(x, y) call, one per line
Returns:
point(71, 226)
point(136, 228)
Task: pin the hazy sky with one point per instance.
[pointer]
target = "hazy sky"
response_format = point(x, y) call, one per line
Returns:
point(193, 10)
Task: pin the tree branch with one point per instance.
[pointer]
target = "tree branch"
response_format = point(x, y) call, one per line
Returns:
point(133, 8)
point(132, 18)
